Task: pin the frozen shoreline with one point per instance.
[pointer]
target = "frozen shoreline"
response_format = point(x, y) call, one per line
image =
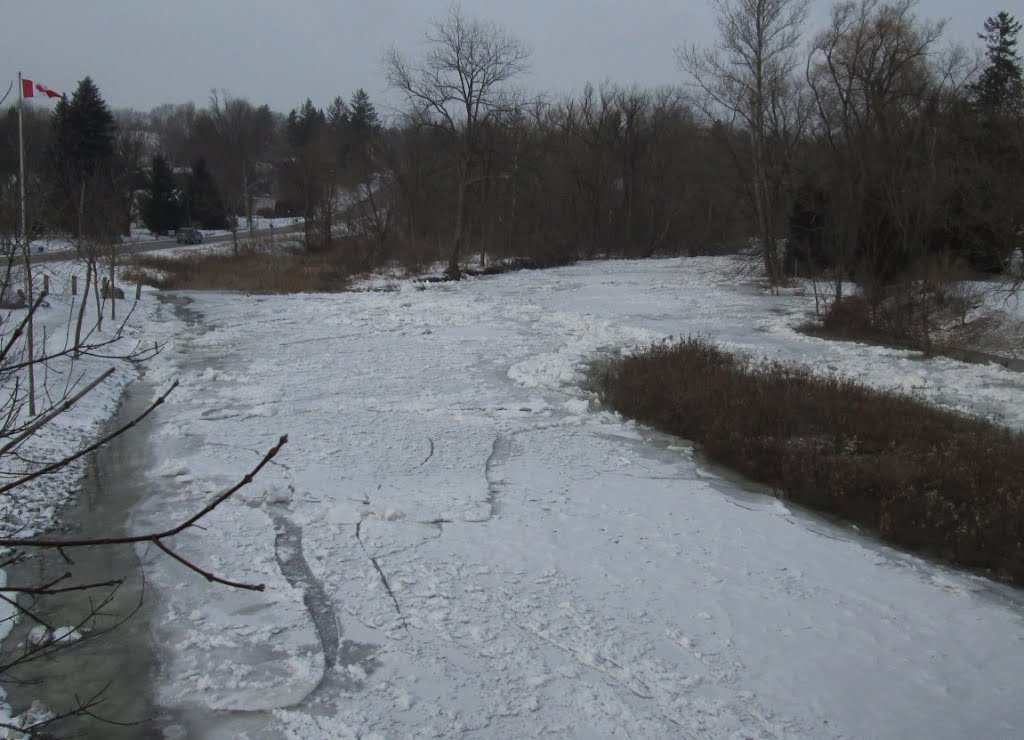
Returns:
point(121, 663)
point(34, 507)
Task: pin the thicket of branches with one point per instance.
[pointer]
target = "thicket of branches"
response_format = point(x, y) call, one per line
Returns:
point(864, 147)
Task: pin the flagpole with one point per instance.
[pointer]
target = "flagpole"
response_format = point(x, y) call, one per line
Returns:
point(29, 297)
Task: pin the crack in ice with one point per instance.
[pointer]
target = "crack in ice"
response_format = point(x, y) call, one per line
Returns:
point(383, 577)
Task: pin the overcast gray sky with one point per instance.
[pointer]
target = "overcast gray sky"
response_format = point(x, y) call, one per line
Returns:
point(143, 53)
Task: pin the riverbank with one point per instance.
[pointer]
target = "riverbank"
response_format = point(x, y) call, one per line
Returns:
point(114, 662)
point(920, 477)
point(54, 502)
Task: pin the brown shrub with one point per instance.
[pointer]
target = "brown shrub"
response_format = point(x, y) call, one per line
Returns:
point(921, 477)
point(926, 309)
point(322, 272)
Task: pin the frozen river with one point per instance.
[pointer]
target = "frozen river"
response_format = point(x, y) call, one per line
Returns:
point(457, 541)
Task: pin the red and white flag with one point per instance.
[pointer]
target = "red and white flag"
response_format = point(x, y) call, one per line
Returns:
point(29, 89)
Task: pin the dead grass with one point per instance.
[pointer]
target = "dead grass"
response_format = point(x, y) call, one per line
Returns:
point(323, 272)
point(923, 478)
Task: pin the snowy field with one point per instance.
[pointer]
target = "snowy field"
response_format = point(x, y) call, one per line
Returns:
point(457, 541)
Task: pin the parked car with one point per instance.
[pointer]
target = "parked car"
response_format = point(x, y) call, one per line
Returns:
point(189, 236)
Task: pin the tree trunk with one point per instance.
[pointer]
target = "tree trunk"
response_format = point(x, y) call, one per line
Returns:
point(81, 308)
point(454, 272)
point(763, 209)
point(113, 296)
point(96, 289)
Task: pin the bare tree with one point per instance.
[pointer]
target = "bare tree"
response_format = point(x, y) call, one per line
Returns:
point(748, 79)
point(174, 127)
point(880, 90)
point(241, 135)
point(462, 83)
point(412, 160)
point(592, 124)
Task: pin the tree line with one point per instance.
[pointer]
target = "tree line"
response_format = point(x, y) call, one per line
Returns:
point(862, 148)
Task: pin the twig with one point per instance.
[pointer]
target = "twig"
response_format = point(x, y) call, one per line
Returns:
point(54, 413)
point(59, 464)
point(47, 591)
point(157, 537)
point(206, 574)
point(86, 627)
point(20, 328)
point(27, 612)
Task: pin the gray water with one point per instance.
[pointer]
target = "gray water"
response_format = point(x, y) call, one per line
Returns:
point(115, 663)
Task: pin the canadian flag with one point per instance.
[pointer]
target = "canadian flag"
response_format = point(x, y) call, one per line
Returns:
point(30, 88)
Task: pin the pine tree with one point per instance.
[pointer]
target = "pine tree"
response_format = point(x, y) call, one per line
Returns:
point(363, 118)
point(338, 115)
point(161, 207)
point(60, 133)
point(1000, 88)
point(363, 127)
point(202, 198)
point(84, 165)
point(302, 125)
point(291, 128)
point(90, 130)
point(985, 206)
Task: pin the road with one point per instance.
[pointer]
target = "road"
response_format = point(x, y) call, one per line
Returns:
point(166, 243)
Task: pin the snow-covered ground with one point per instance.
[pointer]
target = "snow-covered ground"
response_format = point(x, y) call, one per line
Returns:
point(259, 223)
point(32, 508)
point(996, 325)
point(456, 540)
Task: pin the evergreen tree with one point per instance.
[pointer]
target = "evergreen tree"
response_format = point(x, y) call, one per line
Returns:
point(84, 165)
point(291, 128)
point(161, 207)
point(90, 130)
point(985, 206)
point(363, 119)
point(60, 135)
point(202, 198)
point(338, 115)
point(1001, 85)
point(363, 127)
point(302, 125)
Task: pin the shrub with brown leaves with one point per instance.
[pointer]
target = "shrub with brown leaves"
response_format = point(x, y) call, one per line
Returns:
point(931, 480)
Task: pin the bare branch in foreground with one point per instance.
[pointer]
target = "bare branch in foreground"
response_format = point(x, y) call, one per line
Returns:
point(54, 413)
point(157, 537)
point(59, 464)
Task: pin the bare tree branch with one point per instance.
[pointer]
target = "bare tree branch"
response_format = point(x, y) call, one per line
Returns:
point(461, 84)
point(59, 464)
point(46, 418)
point(157, 537)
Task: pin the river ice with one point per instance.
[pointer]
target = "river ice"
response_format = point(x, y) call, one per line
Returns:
point(457, 540)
